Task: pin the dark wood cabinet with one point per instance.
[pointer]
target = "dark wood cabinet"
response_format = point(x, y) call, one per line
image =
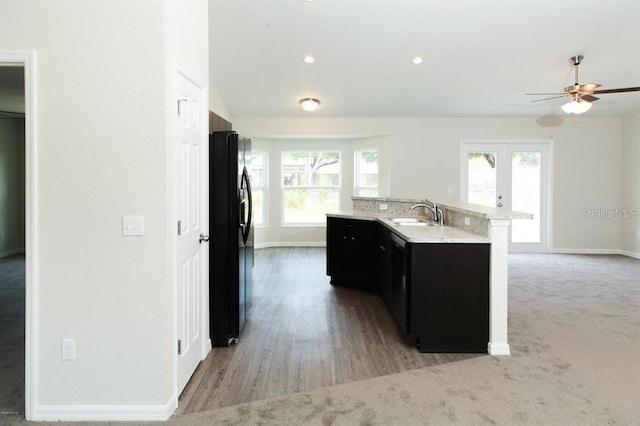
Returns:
point(351, 250)
point(438, 293)
point(449, 296)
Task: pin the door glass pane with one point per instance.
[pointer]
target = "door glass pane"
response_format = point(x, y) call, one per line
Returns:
point(482, 178)
point(525, 196)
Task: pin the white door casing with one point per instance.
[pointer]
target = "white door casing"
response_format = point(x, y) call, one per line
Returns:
point(191, 156)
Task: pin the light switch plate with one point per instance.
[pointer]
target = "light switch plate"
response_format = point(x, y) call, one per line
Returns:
point(132, 225)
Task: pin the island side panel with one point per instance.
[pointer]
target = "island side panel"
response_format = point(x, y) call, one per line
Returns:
point(450, 297)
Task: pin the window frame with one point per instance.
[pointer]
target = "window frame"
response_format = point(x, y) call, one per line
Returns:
point(357, 187)
point(284, 188)
point(263, 188)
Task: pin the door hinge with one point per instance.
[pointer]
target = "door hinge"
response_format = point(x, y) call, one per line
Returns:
point(179, 227)
point(179, 104)
point(179, 347)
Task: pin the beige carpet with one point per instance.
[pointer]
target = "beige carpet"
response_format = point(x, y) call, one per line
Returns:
point(575, 341)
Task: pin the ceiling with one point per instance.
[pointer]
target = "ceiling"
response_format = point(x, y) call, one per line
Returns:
point(480, 56)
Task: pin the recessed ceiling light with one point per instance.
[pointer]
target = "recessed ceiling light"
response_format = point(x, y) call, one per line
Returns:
point(309, 104)
point(417, 60)
point(309, 59)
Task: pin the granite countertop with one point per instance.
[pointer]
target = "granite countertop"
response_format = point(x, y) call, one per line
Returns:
point(483, 211)
point(417, 234)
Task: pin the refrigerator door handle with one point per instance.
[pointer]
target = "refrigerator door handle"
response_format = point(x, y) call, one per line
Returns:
point(250, 196)
point(245, 186)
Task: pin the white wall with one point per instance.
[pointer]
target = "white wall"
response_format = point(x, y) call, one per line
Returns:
point(102, 153)
point(12, 207)
point(630, 228)
point(425, 161)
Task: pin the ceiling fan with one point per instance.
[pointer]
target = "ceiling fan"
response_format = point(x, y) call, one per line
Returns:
point(581, 94)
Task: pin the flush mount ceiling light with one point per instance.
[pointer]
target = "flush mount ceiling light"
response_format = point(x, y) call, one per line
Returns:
point(417, 60)
point(309, 104)
point(308, 59)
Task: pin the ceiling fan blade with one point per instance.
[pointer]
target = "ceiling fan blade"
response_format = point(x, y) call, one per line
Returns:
point(621, 90)
point(545, 94)
point(546, 99)
point(589, 98)
point(588, 88)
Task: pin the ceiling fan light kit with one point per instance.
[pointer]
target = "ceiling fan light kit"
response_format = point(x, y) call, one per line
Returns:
point(577, 106)
point(581, 95)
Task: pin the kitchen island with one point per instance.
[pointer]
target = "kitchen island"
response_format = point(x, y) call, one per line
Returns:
point(446, 286)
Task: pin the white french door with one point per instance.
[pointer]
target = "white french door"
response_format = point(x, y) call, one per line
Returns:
point(510, 176)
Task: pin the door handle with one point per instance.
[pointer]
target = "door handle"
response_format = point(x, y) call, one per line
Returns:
point(204, 238)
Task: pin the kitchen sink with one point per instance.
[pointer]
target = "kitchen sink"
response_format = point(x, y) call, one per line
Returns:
point(412, 221)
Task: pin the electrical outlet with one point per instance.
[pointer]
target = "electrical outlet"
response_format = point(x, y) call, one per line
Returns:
point(383, 206)
point(467, 221)
point(68, 349)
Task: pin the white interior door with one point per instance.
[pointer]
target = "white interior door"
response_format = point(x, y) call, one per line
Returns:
point(192, 202)
point(511, 176)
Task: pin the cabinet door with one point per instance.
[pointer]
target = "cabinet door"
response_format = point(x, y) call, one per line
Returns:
point(351, 252)
point(338, 247)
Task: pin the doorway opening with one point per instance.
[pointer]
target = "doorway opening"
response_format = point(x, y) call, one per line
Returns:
point(17, 230)
point(511, 176)
point(12, 238)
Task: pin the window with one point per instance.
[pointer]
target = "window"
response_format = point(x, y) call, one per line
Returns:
point(258, 175)
point(310, 186)
point(366, 173)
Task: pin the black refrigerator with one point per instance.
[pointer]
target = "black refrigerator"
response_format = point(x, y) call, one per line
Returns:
point(230, 222)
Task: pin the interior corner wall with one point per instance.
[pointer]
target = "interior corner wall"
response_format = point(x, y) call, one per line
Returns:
point(630, 228)
point(12, 172)
point(425, 162)
point(101, 154)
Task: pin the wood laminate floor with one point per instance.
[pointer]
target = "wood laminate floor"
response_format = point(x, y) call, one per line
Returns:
point(303, 334)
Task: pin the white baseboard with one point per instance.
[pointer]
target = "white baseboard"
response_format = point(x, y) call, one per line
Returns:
point(291, 244)
point(11, 252)
point(586, 251)
point(498, 349)
point(104, 413)
point(631, 254)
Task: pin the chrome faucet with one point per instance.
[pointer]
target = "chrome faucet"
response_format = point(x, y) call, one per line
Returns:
point(436, 212)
